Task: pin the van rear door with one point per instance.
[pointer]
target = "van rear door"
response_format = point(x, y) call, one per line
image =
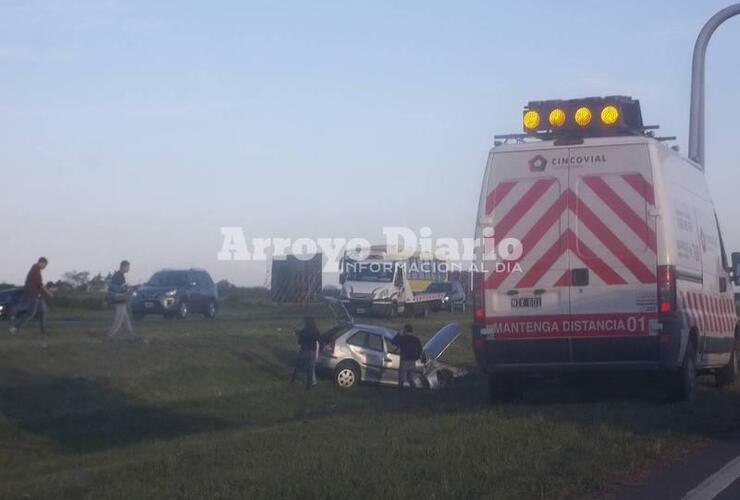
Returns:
point(525, 203)
point(612, 240)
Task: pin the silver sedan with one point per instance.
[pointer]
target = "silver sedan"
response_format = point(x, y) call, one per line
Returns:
point(364, 353)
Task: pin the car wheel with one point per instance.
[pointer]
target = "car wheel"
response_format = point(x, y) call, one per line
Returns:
point(211, 310)
point(347, 375)
point(182, 310)
point(683, 381)
point(728, 373)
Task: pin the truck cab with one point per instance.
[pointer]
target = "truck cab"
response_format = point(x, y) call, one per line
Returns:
point(374, 286)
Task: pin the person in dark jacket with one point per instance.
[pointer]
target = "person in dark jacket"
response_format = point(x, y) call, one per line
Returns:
point(118, 296)
point(410, 351)
point(35, 295)
point(309, 342)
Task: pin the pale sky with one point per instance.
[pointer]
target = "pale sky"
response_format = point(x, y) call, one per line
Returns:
point(137, 129)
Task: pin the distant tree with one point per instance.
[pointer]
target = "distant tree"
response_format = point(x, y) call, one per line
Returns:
point(79, 280)
point(224, 287)
point(97, 283)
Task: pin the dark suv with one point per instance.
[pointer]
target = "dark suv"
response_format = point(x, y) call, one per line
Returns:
point(12, 305)
point(176, 294)
point(454, 295)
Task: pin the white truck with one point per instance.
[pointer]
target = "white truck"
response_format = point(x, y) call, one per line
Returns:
point(379, 284)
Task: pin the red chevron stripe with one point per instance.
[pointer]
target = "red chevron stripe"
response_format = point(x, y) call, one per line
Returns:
point(686, 312)
point(535, 234)
point(522, 206)
point(498, 194)
point(610, 240)
point(598, 266)
point(545, 262)
point(642, 186)
point(622, 210)
point(698, 320)
point(564, 280)
point(703, 311)
point(569, 241)
point(727, 321)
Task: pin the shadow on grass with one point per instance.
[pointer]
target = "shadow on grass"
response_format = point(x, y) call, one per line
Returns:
point(82, 415)
point(633, 402)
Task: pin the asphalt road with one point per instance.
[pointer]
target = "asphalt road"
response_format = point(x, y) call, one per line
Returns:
point(710, 472)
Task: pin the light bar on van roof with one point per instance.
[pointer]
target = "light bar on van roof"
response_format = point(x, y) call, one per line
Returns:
point(587, 117)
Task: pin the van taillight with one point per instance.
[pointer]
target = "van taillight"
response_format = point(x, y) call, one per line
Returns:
point(479, 308)
point(666, 289)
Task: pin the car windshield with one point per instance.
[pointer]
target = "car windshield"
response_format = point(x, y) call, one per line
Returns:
point(169, 278)
point(375, 271)
point(440, 287)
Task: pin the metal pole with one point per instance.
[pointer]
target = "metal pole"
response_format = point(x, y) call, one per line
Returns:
point(696, 115)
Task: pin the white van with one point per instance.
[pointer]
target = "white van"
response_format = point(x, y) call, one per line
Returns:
point(622, 262)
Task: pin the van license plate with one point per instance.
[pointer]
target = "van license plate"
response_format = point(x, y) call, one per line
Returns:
point(520, 302)
point(149, 305)
point(360, 310)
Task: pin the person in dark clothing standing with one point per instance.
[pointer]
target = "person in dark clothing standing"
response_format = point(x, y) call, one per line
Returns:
point(410, 350)
point(118, 296)
point(309, 342)
point(35, 294)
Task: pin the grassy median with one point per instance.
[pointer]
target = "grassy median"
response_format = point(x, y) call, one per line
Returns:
point(203, 409)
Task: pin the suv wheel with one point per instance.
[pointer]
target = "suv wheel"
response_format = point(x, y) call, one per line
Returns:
point(211, 310)
point(182, 310)
point(346, 375)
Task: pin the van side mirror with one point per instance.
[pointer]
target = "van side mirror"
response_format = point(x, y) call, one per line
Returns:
point(736, 267)
point(342, 278)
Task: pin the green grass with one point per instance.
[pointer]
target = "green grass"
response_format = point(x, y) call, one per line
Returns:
point(202, 409)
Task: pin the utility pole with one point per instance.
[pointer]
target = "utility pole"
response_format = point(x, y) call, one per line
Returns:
point(696, 115)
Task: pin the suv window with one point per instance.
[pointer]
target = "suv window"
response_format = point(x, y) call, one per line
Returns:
point(169, 278)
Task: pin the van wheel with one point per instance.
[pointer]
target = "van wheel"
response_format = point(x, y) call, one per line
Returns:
point(728, 373)
point(346, 375)
point(683, 381)
point(504, 388)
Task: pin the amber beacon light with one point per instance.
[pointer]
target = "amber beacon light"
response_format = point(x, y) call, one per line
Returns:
point(586, 117)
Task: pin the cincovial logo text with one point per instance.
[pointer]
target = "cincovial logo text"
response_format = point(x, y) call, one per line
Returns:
point(561, 161)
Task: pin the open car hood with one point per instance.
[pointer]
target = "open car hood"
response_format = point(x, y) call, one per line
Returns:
point(342, 316)
point(438, 344)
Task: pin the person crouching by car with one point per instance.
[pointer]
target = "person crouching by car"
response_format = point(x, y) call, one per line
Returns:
point(410, 351)
point(309, 342)
point(118, 296)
